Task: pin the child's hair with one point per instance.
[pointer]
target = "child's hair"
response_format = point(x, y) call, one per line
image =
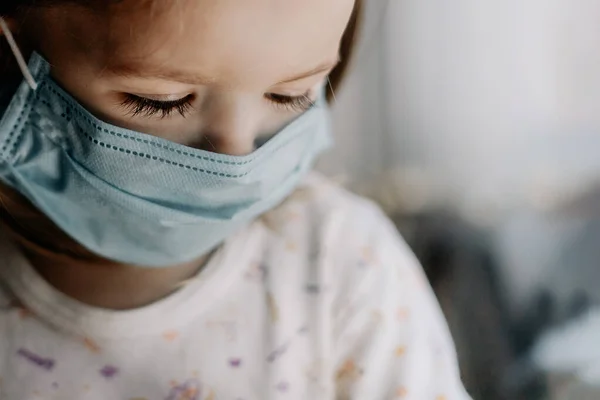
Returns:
point(30, 227)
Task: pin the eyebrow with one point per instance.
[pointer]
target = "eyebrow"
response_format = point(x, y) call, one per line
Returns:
point(143, 71)
point(327, 66)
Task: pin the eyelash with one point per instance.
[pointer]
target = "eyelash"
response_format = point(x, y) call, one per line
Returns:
point(137, 105)
point(292, 103)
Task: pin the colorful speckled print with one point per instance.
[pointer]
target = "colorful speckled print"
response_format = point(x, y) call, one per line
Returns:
point(91, 345)
point(278, 352)
point(189, 390)
point(283, 386)
point(109, 371)
point(235, 362)
point(44, 363)
point(273, 308)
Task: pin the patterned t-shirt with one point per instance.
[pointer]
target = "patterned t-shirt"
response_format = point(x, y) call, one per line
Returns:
point(318, 299)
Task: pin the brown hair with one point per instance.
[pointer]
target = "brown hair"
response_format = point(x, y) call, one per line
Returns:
point(31, 228)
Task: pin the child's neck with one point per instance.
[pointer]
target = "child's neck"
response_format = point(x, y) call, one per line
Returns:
point(117, 287)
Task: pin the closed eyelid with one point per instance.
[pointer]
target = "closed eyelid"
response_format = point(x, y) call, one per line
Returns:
point(164, 98)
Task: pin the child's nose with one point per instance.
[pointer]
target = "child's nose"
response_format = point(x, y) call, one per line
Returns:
point(231, 143)
point(231, 125)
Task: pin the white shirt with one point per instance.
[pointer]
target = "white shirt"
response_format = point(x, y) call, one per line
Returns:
point(318, 299)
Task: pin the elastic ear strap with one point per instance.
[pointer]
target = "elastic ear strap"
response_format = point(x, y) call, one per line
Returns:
point(18, 55)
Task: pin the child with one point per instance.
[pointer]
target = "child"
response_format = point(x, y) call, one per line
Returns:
point(162, 237)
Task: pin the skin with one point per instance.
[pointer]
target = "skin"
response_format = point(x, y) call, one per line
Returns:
point(229, 56)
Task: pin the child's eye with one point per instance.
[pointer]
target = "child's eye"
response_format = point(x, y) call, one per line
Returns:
point(143, 106)
point(292, 103)
point(137, 105)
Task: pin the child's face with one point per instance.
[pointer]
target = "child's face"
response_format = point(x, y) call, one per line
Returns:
point(221, 72)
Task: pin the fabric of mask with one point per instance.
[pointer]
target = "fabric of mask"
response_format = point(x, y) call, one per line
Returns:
point(135, 198)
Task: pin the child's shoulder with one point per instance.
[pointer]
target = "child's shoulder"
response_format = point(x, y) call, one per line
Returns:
point(342, 242)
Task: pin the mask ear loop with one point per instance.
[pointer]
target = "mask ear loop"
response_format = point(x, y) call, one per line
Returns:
point(18, 55)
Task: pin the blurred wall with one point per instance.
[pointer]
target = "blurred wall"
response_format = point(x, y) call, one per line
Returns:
point(485, 105)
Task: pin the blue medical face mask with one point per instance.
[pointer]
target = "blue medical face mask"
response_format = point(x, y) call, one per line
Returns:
point(136, 198)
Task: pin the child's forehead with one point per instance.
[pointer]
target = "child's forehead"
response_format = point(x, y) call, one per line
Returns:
point(228, 39)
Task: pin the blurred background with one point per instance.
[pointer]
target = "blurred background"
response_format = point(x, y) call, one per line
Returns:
point(476, 125)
